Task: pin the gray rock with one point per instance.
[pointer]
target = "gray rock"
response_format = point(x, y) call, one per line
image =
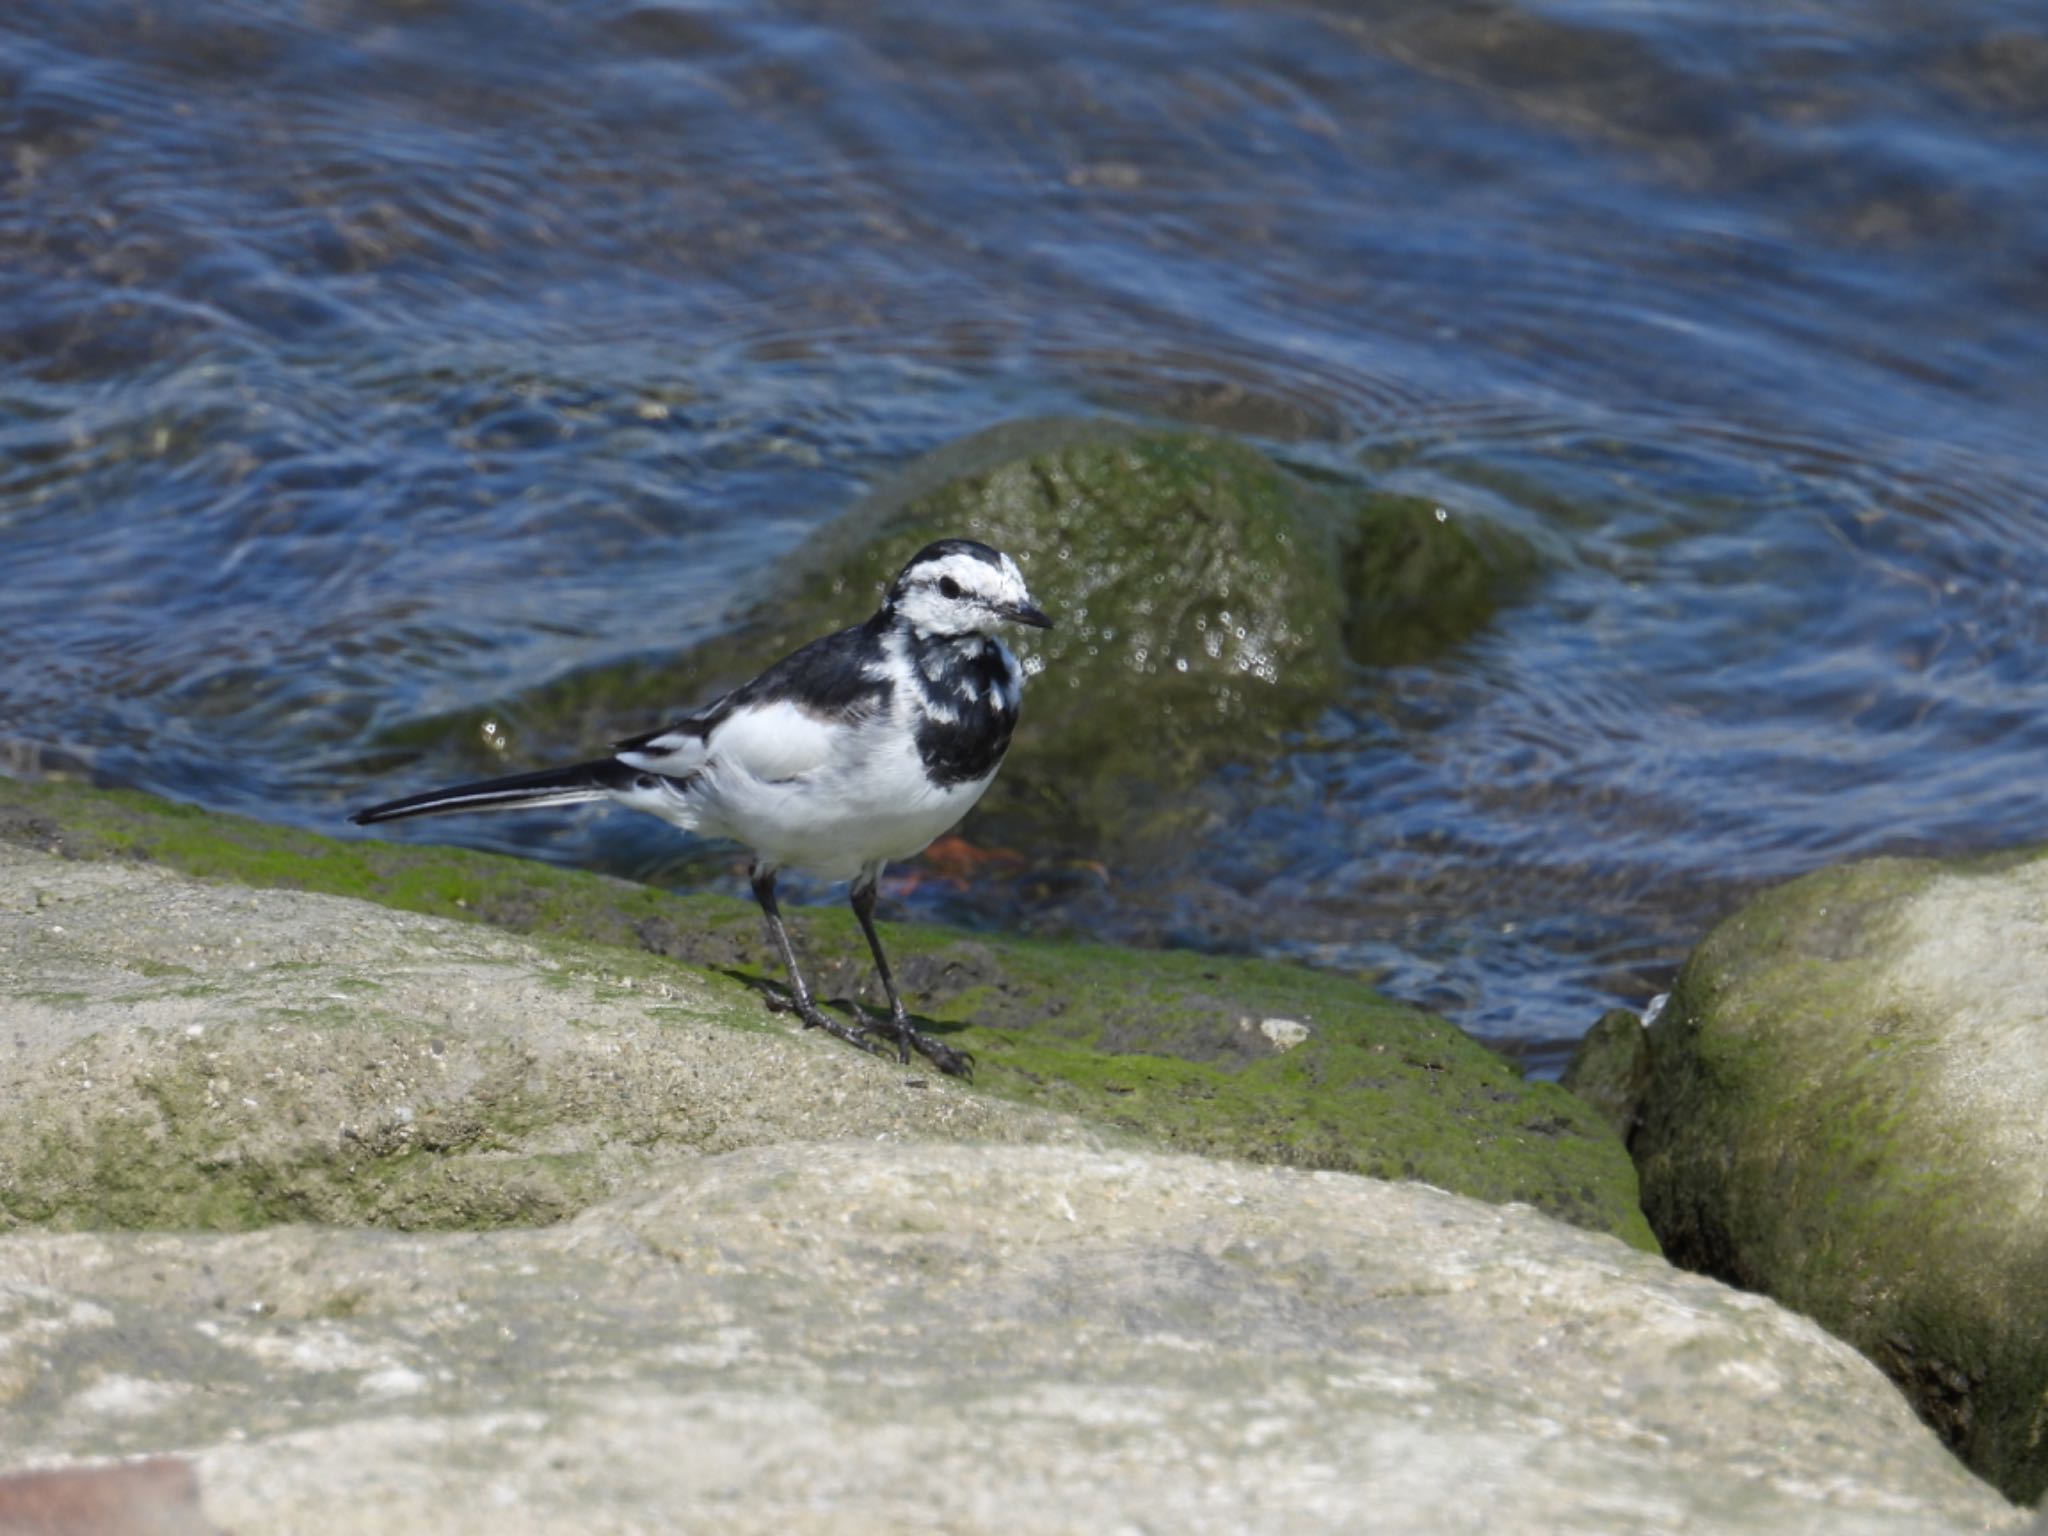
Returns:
point(180, 1054)
point(1178, 1048)
point(861, 1337)
point(794, 1289)
point(1849, 1111)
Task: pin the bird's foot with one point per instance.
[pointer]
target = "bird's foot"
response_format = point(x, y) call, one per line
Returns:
point(815, 1017)
point(949, 1061)
point(943, 1056)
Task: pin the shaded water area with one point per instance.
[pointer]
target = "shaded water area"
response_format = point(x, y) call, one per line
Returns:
point(365, 361)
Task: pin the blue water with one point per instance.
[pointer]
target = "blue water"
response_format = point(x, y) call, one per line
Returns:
point(361, 361)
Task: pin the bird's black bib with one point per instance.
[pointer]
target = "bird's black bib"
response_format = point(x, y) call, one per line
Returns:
point(965, 728)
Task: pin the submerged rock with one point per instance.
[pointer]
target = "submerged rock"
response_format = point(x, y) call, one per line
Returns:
point(1196, 608)
point(1848, 1110)
point(1419, 582)
point(1207, 602)
point(191, 1055)
point(841, 1337)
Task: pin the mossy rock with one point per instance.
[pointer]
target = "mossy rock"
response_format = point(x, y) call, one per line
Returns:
point(1208, 602)
point(1420, 582)
point(1610, 1069)
point(1226, 1056)
point(1845, 1112)
point(191, 1055)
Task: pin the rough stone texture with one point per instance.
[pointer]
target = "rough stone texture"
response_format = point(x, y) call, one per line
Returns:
point(854, 1338)
point(180, 1054)
point(793, 1289)
point(1849, 1111)
point(1178, 1048)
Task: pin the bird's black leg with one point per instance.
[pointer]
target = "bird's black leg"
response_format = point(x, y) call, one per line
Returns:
point(944, 1057)
point(763, 878)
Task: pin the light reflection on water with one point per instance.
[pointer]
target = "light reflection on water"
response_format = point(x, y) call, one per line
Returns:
point(360, 361)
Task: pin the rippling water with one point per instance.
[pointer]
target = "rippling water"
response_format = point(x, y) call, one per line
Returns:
point(360, 361)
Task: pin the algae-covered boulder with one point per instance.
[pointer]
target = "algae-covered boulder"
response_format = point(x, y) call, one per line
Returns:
point(1419, 582)
point(1610, 1069)
point(1207, 602)
point(1848, 1110)
point(532, 1081)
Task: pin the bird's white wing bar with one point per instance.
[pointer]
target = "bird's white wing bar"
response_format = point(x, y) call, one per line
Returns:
point(776, 740)
point(678, 753)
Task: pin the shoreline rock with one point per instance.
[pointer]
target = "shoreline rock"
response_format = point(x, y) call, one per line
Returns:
point(628, 1260)
point(1216, 1055)
point(1846, 1112)
point(851, 1338)
point(191, 1055)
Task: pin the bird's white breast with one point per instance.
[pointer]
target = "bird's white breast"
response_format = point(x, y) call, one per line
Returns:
point(826, 795)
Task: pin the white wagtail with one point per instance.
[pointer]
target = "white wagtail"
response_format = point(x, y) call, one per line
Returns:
point(859, 748)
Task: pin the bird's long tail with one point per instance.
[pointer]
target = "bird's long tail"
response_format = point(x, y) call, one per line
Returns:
point(595, 780)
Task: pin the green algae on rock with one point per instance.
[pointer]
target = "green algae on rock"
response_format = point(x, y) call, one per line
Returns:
point(1610, 1069)
point(1206, 601)
point(1845, 1112)
point(185, 1054)
point(1419, 582)
point(1221, 1055)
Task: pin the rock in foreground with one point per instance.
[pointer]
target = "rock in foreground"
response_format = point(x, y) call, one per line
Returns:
point(857, 1338)
point(350, 1065)
point(786, 1288)
point(188, 1055)
point(1848, 1110)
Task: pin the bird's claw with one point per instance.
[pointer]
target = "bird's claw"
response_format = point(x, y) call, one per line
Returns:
point(953, 1063)
point(868, 1031)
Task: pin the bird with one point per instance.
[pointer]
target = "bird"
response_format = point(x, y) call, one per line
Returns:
point(853, 751)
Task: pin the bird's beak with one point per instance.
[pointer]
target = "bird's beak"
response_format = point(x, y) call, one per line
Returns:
point(1024, 613)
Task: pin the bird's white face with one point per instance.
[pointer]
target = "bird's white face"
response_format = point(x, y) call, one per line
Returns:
point(956, 588)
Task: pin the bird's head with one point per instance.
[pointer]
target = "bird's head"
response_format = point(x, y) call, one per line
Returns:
point(959, 587)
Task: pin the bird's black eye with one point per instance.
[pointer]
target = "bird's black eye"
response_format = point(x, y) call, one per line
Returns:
point(948, 587)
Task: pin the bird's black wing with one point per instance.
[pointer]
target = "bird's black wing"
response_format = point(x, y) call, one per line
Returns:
point(840, 676)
